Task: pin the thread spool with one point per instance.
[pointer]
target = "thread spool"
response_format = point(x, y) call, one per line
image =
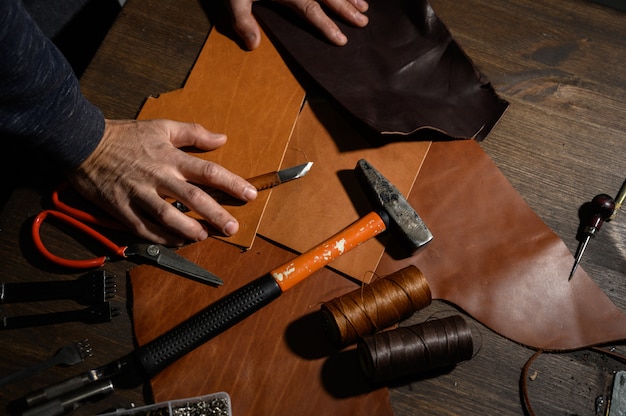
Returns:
point(376, 306)
point(415, 349)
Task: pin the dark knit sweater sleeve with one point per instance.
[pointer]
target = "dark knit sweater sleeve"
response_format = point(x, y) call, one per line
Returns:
point(42, 109)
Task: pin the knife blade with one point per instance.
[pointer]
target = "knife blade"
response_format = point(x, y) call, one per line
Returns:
point(272, 179)
point(260, 182)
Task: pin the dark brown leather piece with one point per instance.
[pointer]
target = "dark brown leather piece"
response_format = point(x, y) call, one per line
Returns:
point(401, 73)
point(278, 361)
point(497, 260)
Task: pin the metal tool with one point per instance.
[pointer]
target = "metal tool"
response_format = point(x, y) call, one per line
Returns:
point(70, 354)
point(154, 253)
point(261, 183)
point(70, 401)
point(617, 404)
point(42, 398)
point(602, 208)
point(619, 200)
point(95, 314)
point(151, 358)
point(91, 288)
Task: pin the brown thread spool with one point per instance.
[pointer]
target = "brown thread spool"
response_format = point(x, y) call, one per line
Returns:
point(376, 306)
point(415, 349)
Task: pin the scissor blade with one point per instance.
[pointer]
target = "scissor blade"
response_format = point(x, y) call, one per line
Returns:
point(173, 261)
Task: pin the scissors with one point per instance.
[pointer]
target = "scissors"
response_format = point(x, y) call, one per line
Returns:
point(154, 253)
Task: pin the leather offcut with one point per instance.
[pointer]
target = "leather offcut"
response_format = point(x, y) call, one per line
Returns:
point(400, 74)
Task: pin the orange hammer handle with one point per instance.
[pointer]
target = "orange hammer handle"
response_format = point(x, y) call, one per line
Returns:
point(293, 272)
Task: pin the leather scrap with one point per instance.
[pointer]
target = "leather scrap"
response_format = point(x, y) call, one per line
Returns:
point(251, 97)
point(401, 73)
point(494, 258)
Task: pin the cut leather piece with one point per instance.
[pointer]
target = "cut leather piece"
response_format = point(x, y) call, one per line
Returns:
point(401, 73)
point(251, 97)
point(493, 257)
point(303, 213)
point(278, 361)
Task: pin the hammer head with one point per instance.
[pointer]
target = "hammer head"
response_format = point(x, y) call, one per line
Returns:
point(388, 200)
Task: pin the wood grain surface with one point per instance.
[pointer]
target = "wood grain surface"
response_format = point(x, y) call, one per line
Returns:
point(561, 142)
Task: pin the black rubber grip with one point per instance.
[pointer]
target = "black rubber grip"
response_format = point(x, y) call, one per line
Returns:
point(206, 324)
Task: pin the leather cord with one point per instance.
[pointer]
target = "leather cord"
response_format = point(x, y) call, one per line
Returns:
point(524, 377)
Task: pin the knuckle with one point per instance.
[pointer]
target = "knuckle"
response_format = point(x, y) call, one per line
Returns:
point(211, 171)
point(312, 9)
point(195, 195)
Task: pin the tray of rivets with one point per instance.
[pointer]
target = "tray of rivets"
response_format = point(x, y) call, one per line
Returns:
point(216, 404)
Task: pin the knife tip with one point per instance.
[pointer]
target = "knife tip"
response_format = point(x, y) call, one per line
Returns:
point(306, 167)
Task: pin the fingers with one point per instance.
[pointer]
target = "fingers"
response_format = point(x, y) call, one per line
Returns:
point(314, 14)
point(139, 163)
point(176, 224)
point(351, 11)
point(244, 23)
point(190, 170)
point(203, 172)
point(202, 203)
point(151, 217)
point(191, 135)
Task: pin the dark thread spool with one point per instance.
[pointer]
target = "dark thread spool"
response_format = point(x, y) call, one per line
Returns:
point(376, 306)
point(415, 349)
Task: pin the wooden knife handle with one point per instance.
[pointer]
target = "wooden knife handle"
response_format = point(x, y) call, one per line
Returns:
point(265, 181)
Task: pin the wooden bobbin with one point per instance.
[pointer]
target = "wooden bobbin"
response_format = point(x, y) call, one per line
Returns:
point(376, 306)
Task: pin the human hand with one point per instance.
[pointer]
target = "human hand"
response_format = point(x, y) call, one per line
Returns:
point(138, 163)
point(352, 11)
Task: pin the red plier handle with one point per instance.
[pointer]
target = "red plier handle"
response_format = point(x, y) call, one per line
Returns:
point(76, 264)
point(79, 214)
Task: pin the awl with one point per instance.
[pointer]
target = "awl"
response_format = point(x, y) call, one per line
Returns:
point(261, 182)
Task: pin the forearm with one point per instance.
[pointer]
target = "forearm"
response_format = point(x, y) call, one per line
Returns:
point(41, 106)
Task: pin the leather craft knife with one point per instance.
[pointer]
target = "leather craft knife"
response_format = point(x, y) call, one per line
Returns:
point(272, 179)
point(261, 182)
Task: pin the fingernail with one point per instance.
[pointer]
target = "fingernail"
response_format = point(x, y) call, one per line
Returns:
point(251, 40)
point(250, 193)
point(218, 136)
point(340, 38)
point(204, 234)
point(362, 19)
point(231, 228)
point(362, 5)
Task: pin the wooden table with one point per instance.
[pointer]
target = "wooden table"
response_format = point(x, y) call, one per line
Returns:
point(562, 141)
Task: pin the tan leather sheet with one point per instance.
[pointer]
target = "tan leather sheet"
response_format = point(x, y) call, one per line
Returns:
point(493, 257)
point(251, 97)
point(278, 361)
point(303, 213)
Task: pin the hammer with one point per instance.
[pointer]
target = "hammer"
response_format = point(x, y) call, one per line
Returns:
point(148, 360)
